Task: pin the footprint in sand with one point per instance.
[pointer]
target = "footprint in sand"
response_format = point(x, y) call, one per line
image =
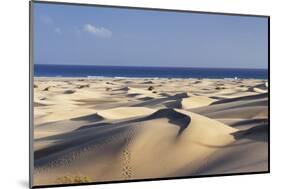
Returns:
point(126, 159)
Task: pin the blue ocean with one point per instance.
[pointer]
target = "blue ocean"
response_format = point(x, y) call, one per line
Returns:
point(41, 70)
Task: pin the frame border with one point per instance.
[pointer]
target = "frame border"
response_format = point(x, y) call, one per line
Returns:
point(31, 92)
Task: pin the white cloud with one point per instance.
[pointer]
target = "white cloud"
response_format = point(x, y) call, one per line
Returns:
point(50, 24)
point(57, 30)
point(98, 31)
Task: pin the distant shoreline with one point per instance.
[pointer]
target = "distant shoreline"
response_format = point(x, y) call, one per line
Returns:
point(85, 65)
point(136, 78)
point(146, 72)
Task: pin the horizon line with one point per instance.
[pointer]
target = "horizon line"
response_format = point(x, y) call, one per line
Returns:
point(151, 66)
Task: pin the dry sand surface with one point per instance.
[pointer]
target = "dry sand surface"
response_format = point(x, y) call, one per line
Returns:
point(91, 130)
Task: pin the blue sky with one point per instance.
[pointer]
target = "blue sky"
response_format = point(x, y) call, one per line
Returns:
point(65, 34)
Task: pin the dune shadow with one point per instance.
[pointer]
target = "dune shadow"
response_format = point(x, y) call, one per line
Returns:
point(243, 98)
point(257, 133)
point(174, 104)
point(91, 118)
point(173, 116)
point(222, 146)
point(145, 98)
point(133, 95)
point(259, 86)
point(235, 107)
point(248, 123)
point(168, 101)
point(38, 104)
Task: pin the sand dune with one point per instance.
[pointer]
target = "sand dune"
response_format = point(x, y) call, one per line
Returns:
point(132, 131)
point(146, 140)
point(254, 106)
point(196, 101)
point(260, 88)
point(125, 112)
point(249, 143)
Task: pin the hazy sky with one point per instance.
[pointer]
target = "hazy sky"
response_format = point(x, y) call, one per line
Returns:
point(66, 34)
